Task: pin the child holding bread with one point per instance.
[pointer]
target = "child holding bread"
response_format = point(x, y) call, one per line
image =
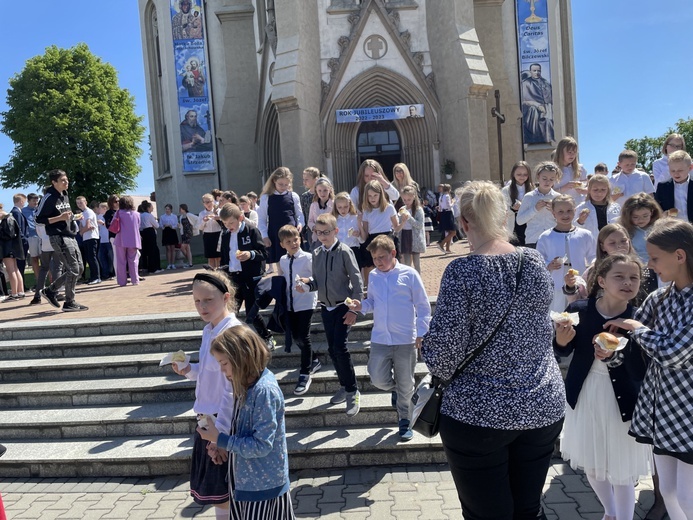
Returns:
point(602, 387)
point(214, 301)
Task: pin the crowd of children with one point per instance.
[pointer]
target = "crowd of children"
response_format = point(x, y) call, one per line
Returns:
point(339, 252)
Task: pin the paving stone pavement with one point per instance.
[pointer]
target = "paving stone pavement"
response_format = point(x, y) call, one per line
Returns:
point(422, 492)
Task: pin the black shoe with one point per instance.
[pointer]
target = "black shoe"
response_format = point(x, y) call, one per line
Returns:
point(51, 297)
point(35, 300)
point(74, 307)
point(60, 297)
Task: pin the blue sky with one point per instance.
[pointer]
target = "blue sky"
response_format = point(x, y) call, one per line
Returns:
point(633, 74)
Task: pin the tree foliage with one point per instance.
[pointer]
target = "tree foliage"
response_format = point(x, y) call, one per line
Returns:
point(650, 148)
point(67, 111)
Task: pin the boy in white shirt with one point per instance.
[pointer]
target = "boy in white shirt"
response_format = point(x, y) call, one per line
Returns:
point(535, 210)
point(89, 229)
point(401, 314)
point(300, 305)
point(629, 181)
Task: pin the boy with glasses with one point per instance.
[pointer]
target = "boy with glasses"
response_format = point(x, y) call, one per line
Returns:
point(337, 279)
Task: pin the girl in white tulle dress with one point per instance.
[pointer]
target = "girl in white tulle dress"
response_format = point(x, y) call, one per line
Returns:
point(601, 390)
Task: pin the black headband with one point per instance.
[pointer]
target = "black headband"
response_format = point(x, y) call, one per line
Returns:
point(204, 277)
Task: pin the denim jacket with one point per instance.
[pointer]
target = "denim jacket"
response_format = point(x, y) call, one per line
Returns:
point(261, 463)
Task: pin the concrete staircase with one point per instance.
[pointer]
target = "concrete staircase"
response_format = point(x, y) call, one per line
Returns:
point(86, 397)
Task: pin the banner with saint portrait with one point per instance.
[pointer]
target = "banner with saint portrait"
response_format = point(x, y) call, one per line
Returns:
point(535, 71)
point(194, 104)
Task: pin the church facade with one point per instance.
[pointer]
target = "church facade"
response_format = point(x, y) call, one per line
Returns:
point(237, 88)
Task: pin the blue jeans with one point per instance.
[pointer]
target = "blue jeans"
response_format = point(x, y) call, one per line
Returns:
point(106, 259)
point(337, 334)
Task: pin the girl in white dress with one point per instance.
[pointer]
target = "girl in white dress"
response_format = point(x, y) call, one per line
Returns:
point(602, 388)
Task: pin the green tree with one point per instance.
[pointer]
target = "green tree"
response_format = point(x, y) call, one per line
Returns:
point(67, 111)
point(650, 148)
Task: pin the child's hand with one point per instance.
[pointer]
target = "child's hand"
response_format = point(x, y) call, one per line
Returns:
point(583, 216)
point(599, 352)
point(555, 264)
point(299, 288)
point(419, 342)
point(620, 323)
point(267, 242)
point(570, 279)
point(355, 305)
point(616, 196)
point(178, 371)
point(349, 318)
point(541, 205)
point(517, 205)
point(210, 434)
point(564, 333)
point(243, 256)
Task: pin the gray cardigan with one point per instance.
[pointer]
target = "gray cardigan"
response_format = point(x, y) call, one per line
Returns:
point(336, 275)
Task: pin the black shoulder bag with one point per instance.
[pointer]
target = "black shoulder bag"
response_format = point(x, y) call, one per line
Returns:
point(428, 397)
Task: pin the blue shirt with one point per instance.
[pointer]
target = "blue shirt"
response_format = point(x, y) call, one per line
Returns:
point(30, 215)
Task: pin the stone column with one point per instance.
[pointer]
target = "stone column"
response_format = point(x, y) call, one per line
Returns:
point(297, 83)
point(236, 96)
point(463, 83)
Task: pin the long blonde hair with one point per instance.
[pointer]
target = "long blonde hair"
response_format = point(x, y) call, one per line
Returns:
point(568, 143)
point(360, 181)
point(247, 354)
point(407, 181)
point(482, 204)
point(280, 173)
point(343, 196)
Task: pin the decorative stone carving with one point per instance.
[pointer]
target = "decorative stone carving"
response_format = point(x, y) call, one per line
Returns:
point(271, 27)
point(406, 39)
point(343, 43)
point(375, 47)
point(431, 81)
point(354, 20)
point(418, 58)
point(333, 65)
point(324, 88)
point(394, 18)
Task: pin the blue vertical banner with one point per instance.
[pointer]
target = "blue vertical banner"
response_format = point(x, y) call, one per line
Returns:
point(194, 107)
point(535, 70)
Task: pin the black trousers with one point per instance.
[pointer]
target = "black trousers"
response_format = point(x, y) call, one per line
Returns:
point(299, 321)
point(499, 474)
point(151, 257)
point(337, 335)
point(245, 293)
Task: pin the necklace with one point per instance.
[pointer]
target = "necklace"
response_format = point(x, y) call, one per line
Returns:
point(478, 249)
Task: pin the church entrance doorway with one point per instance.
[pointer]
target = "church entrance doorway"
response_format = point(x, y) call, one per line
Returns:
point(379, 140)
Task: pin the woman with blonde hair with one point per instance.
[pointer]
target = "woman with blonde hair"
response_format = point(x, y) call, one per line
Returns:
point(503, 411)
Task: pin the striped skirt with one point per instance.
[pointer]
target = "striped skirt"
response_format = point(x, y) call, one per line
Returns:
point(274, 509)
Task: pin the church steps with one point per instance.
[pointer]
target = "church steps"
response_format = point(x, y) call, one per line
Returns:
point(151, 389)
point(83, 397)
point(136, 364)
point(169, 455)
point(176, 418)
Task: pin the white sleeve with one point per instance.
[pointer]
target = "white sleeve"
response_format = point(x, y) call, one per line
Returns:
point(297, 209)
point(647, 185)
point(527, 209)
point(392, 193)
point(262, 215)
point(223, 422)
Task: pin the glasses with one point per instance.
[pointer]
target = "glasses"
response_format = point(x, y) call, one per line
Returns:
point(676, 146)
point(323, 233)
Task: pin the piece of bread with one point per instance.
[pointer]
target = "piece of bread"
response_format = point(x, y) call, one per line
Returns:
point(673, 212)
point(607, 341)
point(348, 302)
point(239, 253)
point(178, 357)
point(573, 272)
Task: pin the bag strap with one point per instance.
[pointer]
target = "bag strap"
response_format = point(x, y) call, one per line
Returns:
point(477, 351)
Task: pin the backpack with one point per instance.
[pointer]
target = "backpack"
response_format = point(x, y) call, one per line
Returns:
point(8, 228)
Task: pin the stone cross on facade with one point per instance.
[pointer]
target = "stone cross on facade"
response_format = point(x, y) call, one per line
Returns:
point(375, 47)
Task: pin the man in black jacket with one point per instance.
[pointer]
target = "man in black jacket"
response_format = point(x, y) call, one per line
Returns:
point(676, 194)
point(55, 213)
point(243, 251)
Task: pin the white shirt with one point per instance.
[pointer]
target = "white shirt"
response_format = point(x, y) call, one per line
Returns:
point(630, 184)
point(379, 221)
point(147, 220)
point(344, 224)
point(302, 266)
point(537, 221)
point(660, 170)
point(568, 176)
point(391, 192)
point(263, 218)
point(169, 220)
point(252, 216)
point(681, 199)
point(398, 300)
point(613, 213)
point(89, 218)
point(578, 247)
point(45, 241)
point(103, 231)
point(211, 226)
point(445, 202)
point(235, 263)
point(211, 382)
